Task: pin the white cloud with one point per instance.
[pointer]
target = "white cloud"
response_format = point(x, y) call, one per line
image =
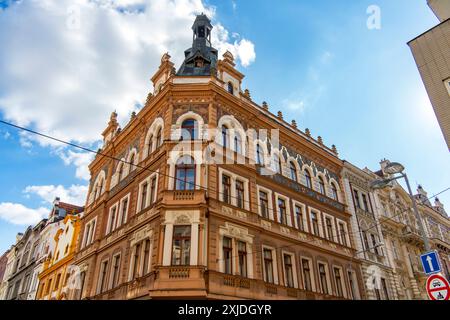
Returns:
point(294, 104)
point(80, 160)
point(75, 194)
point(243, 49)
point(67, 64)
point(16, 213)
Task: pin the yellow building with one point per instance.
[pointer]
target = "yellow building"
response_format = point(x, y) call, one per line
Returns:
point(54, 278)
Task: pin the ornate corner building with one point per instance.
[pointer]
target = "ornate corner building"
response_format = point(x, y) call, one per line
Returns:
point(164, 221)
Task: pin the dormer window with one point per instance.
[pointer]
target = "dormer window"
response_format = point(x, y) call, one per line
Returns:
point(199, 63)
point(230, 88)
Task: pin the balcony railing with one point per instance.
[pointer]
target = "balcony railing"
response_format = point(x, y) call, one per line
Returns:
point(282, 180)
point(177, 273)
point(184, 197)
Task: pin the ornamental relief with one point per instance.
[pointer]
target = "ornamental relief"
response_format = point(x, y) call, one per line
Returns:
point(141, 234)
point(200, 109)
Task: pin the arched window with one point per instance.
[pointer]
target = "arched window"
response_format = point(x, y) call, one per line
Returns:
point(150, 145)
point(259, 155)
point(277, 163)
point(120, 170)
point(158, 138)
point(185, 173)
point(189, 130)
point(238, 143)
point(99, 189)
point(308, 179)
point(321, 185)
point(131, 162)
point(225, 136)
point(293, 171)
point(230, 88)
point(334, 194)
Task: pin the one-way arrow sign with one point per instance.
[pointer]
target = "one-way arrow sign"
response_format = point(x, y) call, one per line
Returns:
point(430, 262)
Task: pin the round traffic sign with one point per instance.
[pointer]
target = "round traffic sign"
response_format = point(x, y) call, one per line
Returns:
point(438, 288)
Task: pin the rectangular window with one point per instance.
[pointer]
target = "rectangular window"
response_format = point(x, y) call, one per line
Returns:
point(357, 202)
point(288, 270)
point(264, 204)
point(338, 280)
point(226, 186)
point(306, 275)
point(115, 271)
point(366, 242)
point(124, 211)
point(58, 280)
point(351, 279)
point(242, 255)
point(240, 194)
point(146, 268)
point(136, 261)
point(329, 226)
point(144, 195)
point(227, 255)
point(385, 289)
point(315, 223)
point(365, 203)
point(152, 190)
point(323, 278)
point(181, 245)
point(49, 284)
point(342, 234)
point(268, 266)
point(89, 233)
point(374, 244)
point(299, 217)
point(102, 278)
point(112, 219)
point(282, 211)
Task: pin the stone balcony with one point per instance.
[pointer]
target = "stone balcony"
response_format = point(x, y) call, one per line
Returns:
point(223, 285)
point(184, 197)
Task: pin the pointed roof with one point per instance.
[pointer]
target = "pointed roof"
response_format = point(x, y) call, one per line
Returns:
point(201, 58)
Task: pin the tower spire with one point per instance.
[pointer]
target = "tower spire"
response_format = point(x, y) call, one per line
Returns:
point(201, 58)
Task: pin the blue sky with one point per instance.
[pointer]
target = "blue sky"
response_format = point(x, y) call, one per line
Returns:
point(314, 60)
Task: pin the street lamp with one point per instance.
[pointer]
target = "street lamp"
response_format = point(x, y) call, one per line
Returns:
point(396, 168)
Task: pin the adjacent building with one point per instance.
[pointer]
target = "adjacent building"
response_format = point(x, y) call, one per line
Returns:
point(56, 269)
point(26, 258)
point(369, 241)
point(208, 202)
point(403, 242)
point(431, 53)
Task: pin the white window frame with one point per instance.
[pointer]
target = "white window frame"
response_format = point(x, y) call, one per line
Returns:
point(99, 285)
point(312, 273)
point(319, 220)
point(147, 180)
point(274, 262)
point(294, 268)
point(111, 270)
point(112, 225)
point(327, 277)
point(269, 198)
point(343, 286)
point(234, 177)
point(333, 227)
point(305, 215)
point(347, 235)
point(119, 220)
point(288, 208)
point(88, 238)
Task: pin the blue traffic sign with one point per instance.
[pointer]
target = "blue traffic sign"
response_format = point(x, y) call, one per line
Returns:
point(430, 262)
